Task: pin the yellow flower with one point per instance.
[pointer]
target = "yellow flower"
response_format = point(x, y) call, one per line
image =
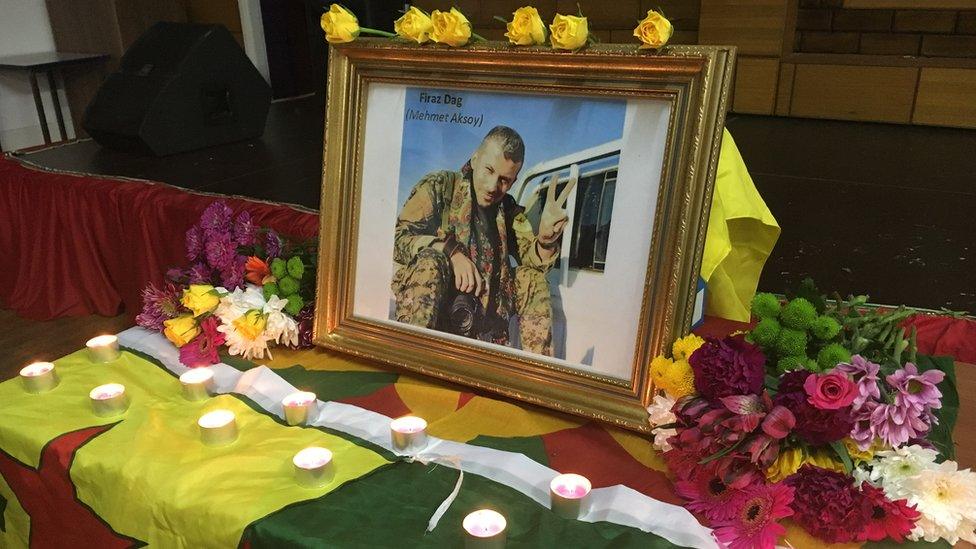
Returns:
point(181, 330)
point(568, 32)
point(251, 324)
point(526, 28)
point(791, 459)
point(653, 31)
point(450, 27)
point(414, 25)
point(683, 347)
point(200, 298)
point(659, 369)
point(857, 454)
point(339, 24)
point(680, 379)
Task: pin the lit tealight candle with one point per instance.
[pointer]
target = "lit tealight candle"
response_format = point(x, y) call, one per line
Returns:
point(104, 348)
point(484, 529)
point(197, 383)
point(568, 494)
point(39, 377)
point(218, 427)
point(409, 433)
point(109, 399)
point(313, 467)
point(298, 407)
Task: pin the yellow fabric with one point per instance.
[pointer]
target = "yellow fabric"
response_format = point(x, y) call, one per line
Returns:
point(639, 448)
point(741, 235)
point(202, 496)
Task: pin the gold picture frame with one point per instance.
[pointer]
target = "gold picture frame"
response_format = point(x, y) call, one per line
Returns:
point(694, 81)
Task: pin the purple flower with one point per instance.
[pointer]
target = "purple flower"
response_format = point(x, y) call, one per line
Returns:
point(305, 319)
point(175, 275)
point(220, 251)
point(917, 391)
point(158, 305)
point(272, 245)
point(194, 243)
point(200, 274)
point(244, 229)
point(216, 218)
point(896, 425)
point(862, 431)
point(865, 374)
point(232, 276)
point(730, 366)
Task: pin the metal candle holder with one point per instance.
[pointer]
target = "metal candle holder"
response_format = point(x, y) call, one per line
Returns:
point(39, 377)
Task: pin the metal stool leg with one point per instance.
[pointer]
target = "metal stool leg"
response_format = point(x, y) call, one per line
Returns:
point(55, 96)
point(39, 105)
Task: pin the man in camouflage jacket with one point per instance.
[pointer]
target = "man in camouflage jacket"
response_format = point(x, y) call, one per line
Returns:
point(455, 235)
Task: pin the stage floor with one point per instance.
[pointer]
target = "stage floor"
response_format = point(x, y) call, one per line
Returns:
point(863, 207)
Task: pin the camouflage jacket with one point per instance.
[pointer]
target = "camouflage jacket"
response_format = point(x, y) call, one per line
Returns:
point(440, 207)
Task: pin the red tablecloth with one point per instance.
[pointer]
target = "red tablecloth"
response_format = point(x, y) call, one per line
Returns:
point(76, 245)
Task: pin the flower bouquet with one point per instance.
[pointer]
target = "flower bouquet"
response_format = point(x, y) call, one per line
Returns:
point(246, 287)
point(822, 414)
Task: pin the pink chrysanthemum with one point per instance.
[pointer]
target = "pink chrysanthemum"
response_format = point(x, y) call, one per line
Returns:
point(754, 524)
point(159, 305)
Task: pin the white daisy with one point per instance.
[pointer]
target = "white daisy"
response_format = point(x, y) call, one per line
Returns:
point(281, 327)
point(236, 303)
point(891, 468)
point(946, 497)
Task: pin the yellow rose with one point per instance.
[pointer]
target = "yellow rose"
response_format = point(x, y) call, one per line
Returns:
point(251, 324)
point(857, 454)
point(568, 32)
point(181, 330)
point(200, 298)
point(653, 31)
point(414, 25)
point(526, 28)
point(450, 27)
point(339, 24)
point(683, 347)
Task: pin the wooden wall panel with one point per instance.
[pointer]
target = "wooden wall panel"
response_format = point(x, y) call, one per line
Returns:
point(755, 26)
point(784, 92)
point(946, 97)
point(844, 92)
point(755, 85)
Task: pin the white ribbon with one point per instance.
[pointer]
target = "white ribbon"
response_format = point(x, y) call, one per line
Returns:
point(617, 504)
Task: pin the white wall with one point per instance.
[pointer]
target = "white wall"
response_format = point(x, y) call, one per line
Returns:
point(25, 28)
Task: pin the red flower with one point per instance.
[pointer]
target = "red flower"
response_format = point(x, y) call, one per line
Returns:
point(755, 512)
point(708, 492)
point(830, 391)
point(202, 350)
point(884, 518)
point(255, 270)
point(826, 504)
point(730, 366)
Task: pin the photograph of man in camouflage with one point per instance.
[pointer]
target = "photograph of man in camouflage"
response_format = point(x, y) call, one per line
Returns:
point(466, 257)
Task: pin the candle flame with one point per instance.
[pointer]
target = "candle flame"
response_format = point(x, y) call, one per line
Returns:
point(408, 424)
point(484, 523)
point(197, 375)
point(107, 391)
point(102, 341)
point(217, 418)
point(299, 398)
point(312, 457)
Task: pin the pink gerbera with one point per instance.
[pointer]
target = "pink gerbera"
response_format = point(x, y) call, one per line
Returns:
point(202, 350)
point(709, 492)
point(757, 509)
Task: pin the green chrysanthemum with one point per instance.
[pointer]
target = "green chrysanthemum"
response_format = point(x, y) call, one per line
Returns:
point(295, 304)
point(279, 268)
point(288, 286)
point(791, 342)
point(832, 355)
point(295, 268)
point(766, 332)
point(765, 305)
point(269, 290)
point(789, 363)
point(824, 328)
point(798, 314)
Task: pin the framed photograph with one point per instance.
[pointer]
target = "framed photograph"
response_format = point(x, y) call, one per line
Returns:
point(525, 221)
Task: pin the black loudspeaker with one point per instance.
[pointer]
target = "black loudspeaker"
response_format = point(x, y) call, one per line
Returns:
point(179, 87)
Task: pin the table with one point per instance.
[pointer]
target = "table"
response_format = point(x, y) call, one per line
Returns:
point(72, 478)
point(51, 64)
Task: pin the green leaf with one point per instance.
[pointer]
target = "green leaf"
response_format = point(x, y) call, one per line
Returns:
point(721, 453)
point(772, 382)
point(844, 455)
point(941, 434)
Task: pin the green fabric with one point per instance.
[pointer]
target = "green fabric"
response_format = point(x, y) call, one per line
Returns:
point(532, 447)
point(941, 434)
point(391, 508)
point(3, 507)
point(337, 385)
point(201, 496)
point(921, 544)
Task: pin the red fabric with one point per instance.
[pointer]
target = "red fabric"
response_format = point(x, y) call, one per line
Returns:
point(58, 518)
point(79, 245)
point(945, 336)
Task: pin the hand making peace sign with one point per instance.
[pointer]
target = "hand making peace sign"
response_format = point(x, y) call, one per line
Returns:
point(554, 217)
